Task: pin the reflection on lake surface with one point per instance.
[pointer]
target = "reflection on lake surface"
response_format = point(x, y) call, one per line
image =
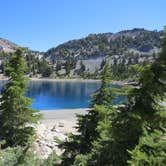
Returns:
point(49, 95)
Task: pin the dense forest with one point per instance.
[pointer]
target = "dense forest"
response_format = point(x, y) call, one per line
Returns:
point(132, 134)
point(36, 66)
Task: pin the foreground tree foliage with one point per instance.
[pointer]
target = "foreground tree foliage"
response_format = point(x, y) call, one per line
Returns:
point(19, 156)
point(25, 156)
point(134, 134)
point(138, 130)
point(80, 145)
point(15, 111)
point(52, 160)
point(151, 149)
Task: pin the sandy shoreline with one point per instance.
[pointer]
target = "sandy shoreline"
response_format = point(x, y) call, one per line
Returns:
point(114, 82)
point(56, 79)
point(121, 83)
point(63, 120)
point(64, 79)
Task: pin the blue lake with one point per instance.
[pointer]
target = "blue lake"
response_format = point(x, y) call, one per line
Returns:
point(51, 95)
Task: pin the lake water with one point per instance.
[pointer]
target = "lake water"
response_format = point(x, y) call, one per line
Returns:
point(51, 95)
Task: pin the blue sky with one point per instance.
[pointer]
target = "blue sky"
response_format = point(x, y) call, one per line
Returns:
point(42, 24)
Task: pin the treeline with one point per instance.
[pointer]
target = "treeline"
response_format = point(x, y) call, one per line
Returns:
point(36, 66)
point(122, 66)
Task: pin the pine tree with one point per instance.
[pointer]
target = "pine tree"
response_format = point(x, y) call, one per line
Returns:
point(68, 66)
point(102, 64)
point(15, 112)
point(58, 66)
point(135, 133)
point(139, 127)
point(151, 149)
point(100, 151)
point(81, 144)
point(82, 69)
point(104, 96)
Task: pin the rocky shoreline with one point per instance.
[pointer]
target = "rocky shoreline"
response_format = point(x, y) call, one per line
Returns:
point(54, 127)
point(114, 82)
point(47, 140)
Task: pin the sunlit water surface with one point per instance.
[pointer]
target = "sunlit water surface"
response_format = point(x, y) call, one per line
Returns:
point(52, 95)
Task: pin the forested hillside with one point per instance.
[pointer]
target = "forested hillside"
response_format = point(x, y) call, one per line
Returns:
point(100, 45)
point(86, 57)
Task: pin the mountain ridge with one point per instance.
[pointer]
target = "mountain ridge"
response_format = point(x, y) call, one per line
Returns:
point(6, 43)
point(110, 40)
point(7, 46)
point(85, 57)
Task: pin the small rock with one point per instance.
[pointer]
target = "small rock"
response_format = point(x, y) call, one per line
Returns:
point(54, 128)
point(61, 124)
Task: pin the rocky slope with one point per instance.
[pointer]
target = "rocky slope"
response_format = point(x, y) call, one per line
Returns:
point(135, 46)
point(100, 45)
point(47, 140)
point(85, 57)
point(7, 46)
